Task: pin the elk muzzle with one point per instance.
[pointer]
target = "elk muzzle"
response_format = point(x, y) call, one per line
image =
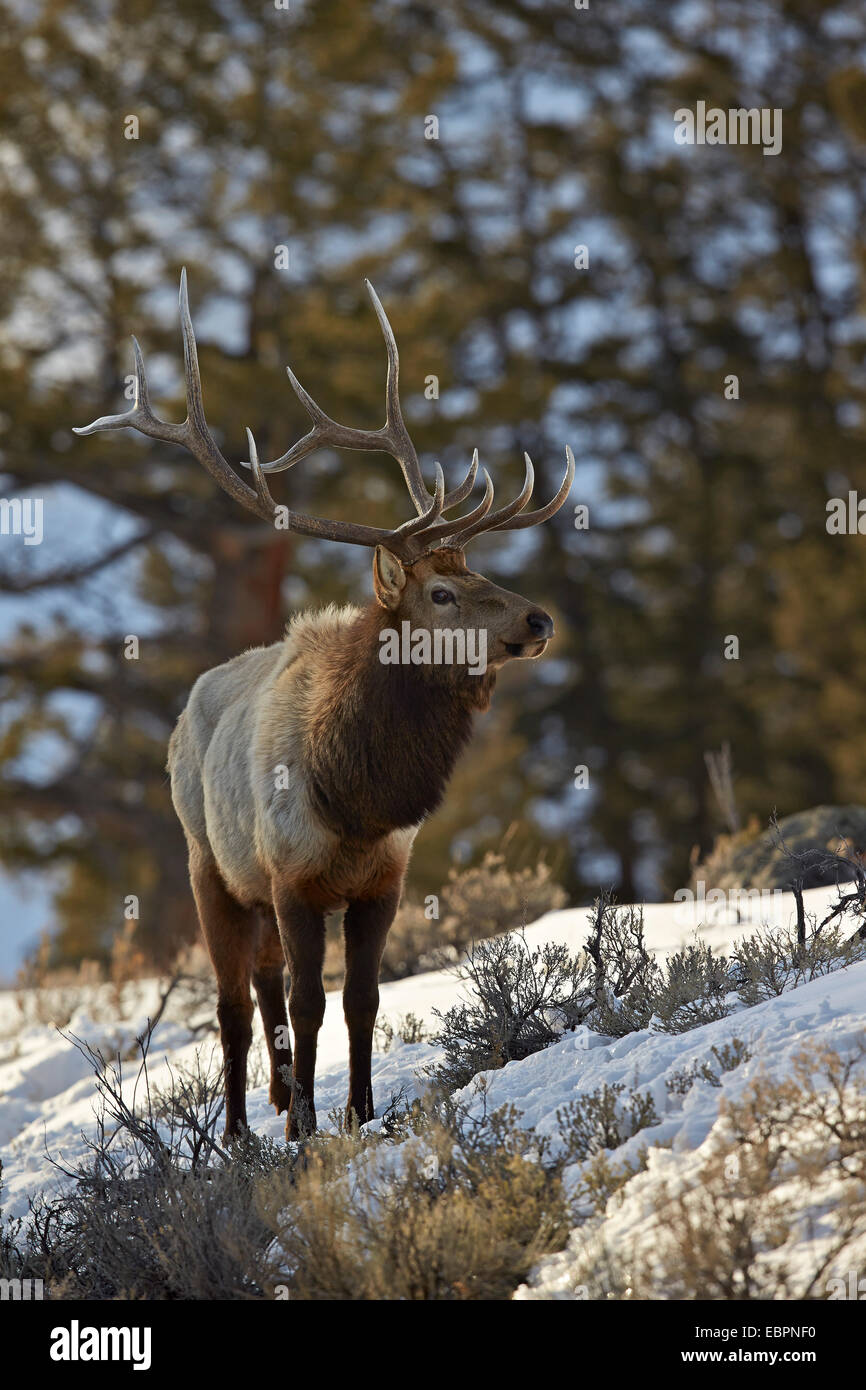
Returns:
point(531, 636)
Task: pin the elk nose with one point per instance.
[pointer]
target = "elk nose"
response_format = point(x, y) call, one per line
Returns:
point(540, 624)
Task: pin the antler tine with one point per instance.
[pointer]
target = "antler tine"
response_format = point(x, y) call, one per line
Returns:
point(192, 377)
point(488, 522)
point(397, 429)
point(460, 493)
point(139, 416)
point(261, 487)
point(349, 531)
point(419, 524)
point(448, 500)
point(393, 413)
point(405, 454)
point(193, 434)
point(517, 523)
point(457, 523)
point(393, 438)
point(141, 402)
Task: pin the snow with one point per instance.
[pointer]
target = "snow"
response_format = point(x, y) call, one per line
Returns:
point(47, 1097)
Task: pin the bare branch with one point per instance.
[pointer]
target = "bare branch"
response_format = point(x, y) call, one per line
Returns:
point(72, 574)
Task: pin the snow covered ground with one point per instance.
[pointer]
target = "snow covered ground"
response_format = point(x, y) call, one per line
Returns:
point(47, 1092)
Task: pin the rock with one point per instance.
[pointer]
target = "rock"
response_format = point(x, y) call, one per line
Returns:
point(754, 859)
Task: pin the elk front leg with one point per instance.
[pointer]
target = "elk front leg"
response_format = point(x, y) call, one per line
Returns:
point(302, 932)
point(365, 928)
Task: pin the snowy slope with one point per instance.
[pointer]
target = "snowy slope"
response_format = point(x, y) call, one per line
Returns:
point(827, 1012)
point(47, 1094)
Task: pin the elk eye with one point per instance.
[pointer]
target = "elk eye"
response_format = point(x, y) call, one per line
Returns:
point(442, 596)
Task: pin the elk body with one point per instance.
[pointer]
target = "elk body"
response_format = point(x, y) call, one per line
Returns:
point(301, 772)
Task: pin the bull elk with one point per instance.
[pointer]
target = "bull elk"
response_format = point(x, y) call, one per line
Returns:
point(301, 772)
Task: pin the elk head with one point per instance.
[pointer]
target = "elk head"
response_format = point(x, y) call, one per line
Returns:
point(419, 569)
point(439, 593)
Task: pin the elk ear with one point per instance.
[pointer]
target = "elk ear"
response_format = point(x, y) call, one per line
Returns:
point(389, 578)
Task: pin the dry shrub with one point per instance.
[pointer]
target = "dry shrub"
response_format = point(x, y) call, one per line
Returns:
point(158, 1210)
point(486, 900)
point(520, 1000)
point(50, 996)
point(771, 960)
point(787, 1170)
point(475, 903)
point(603, 1119)
point(409, 1029)
point(693, 990)
point(819, 846)
point(444, 1216)
point(195, 993)
point(600, 1178)
point(727, 1057)
point(127, 961)
point(170, 1234)
point(625, 975)
point(434, 1206)
point(721, 866)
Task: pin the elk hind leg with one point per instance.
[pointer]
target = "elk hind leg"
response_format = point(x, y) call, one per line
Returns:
point(268, 967)
point(302, 932)
point(229, 930)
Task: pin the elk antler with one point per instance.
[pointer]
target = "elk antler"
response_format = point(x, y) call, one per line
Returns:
point(512, 517)
point(392, 438)
point(410, 540)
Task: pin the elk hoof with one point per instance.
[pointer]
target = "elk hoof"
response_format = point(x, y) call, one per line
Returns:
point(280, 1096)
point(301, 1121)
point(362, 1113)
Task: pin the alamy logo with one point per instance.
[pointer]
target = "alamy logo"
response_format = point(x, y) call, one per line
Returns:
point(77, 1343)
point(851, 1288)
point(689, 910)
point(22, 516)
point(846, 516)
point(444, 646)
point(737, 126)
point(21, 1290)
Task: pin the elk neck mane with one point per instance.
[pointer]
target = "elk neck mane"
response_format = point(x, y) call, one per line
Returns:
point(380, 741)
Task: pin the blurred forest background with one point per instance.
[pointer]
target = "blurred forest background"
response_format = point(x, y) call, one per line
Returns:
point(305, 128)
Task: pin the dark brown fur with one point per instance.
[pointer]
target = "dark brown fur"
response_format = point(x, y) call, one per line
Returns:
point(385, 742)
